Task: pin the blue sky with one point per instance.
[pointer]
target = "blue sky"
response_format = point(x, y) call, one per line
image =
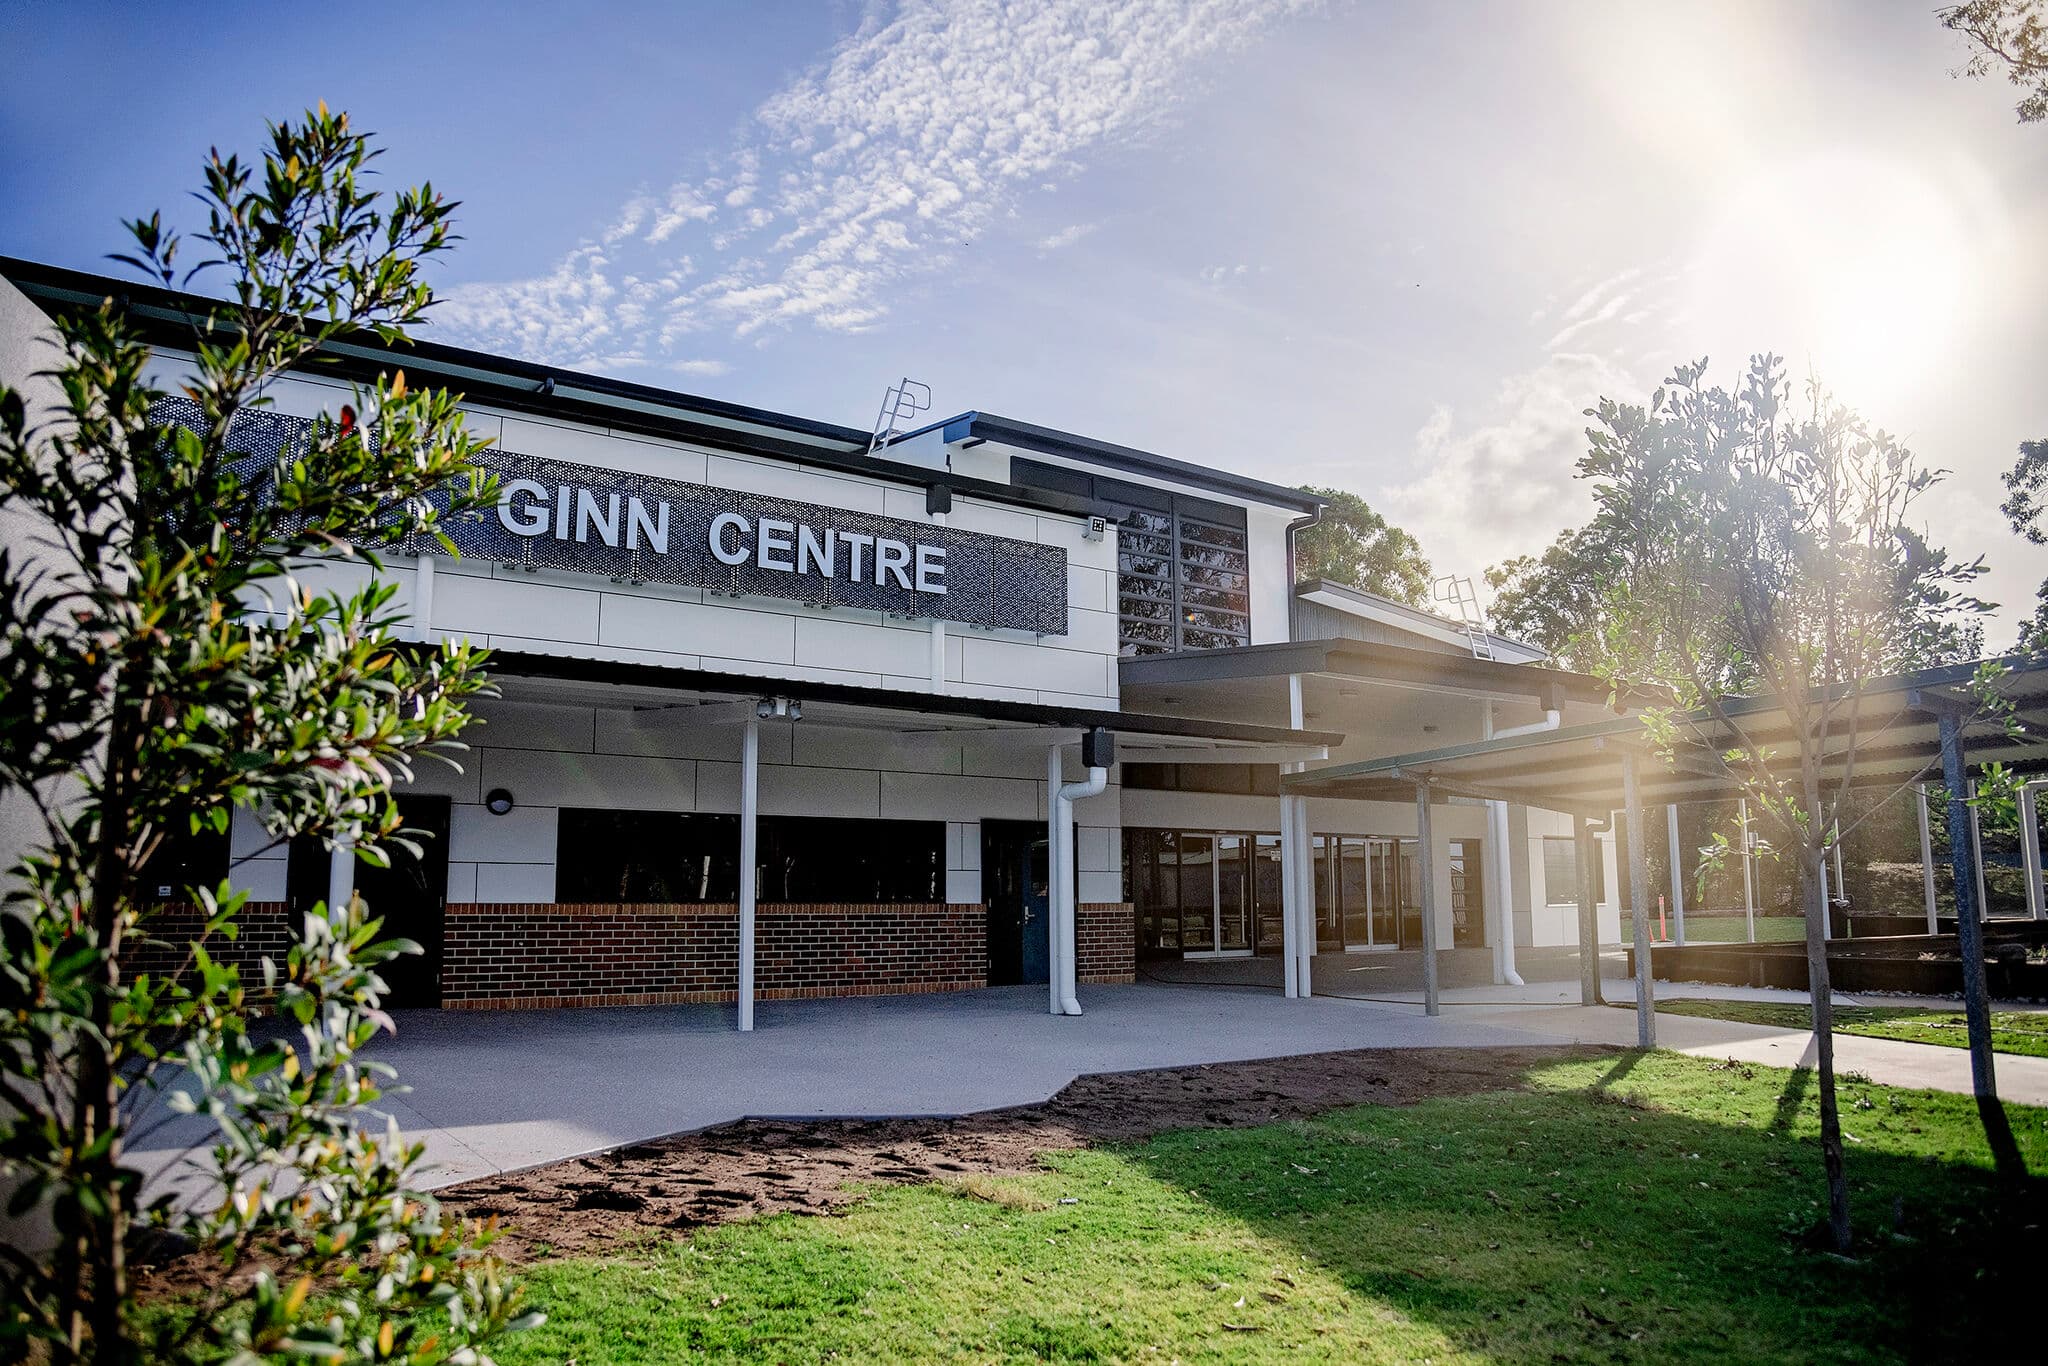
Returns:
point(1396, 248)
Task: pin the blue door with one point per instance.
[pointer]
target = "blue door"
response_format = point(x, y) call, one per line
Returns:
point(1014, 885)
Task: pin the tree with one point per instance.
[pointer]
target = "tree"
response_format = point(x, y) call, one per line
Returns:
point(1769, 552)
point(1354, 545)
point(2009, 36)
point(1557, 600)
point(161, 668)
point(2027, 486)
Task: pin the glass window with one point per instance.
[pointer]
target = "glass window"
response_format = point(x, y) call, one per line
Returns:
point(1561, 872)
point(627, 857)
point(182, 861)
point(1183, 583)
point(666, 856)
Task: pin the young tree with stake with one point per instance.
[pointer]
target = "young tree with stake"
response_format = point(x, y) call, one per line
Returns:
point(1771, 555)
point(160, 669)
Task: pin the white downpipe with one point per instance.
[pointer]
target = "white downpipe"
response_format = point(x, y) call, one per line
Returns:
point(1068, 963)
point(750, 790)
point(1054, 778)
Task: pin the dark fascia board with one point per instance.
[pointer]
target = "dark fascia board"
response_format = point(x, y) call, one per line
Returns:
point(975, 426)
point(1367, 662)
point(569, 668)
point(168, 318)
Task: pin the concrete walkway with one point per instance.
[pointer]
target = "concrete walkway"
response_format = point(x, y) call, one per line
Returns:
point(497, 1091)
point(493, 1092)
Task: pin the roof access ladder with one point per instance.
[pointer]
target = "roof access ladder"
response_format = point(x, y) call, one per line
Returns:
point(1455, 592)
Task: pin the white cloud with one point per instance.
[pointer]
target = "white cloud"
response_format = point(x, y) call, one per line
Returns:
point(1066, 237)
point(708, 368)
point(1505, 484)
point(914, 135)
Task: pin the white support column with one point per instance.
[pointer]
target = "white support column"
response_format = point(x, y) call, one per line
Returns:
point(1290, 906)
point(1977, 853)
point(2030, 850)
point(1841, 884)
point(1927, 859)
point(1055, 775)
point(1305, 895)
point(1425, 868)
point(1293, 883)
point(1677, 874)
point(1749, 875)
point(750, 793)
point(341, 876)
point(1639, 899)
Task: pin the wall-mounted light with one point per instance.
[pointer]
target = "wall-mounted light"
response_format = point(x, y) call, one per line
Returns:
point(498, 801)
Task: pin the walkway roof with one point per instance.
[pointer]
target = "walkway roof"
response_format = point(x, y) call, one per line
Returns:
point(1893, 724)
point(545, 677)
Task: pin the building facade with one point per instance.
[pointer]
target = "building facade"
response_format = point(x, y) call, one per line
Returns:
point(727, 638)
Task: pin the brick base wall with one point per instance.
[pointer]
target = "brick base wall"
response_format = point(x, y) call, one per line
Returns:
point(508, 956)
point(266, 929)
point(1106, 942)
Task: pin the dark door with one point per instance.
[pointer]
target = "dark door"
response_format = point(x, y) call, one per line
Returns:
point(411, 896)
point(1014, 883)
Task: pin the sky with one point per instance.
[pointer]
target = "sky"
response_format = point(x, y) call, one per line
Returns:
point(1396, 248)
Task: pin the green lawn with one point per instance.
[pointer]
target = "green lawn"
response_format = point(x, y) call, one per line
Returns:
point(1733, 929)
point(1628, 1208)
point(2024, 1032)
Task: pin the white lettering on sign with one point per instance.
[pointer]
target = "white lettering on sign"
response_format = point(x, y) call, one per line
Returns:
point(795, 548)
point(568, 513)
point(523, 511)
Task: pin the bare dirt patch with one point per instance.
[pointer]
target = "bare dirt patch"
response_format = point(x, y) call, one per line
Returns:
point(672, 1185)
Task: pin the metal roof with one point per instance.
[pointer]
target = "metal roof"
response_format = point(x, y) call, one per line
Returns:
point(1893, 724)
point(1371, 661)
point(903, 709)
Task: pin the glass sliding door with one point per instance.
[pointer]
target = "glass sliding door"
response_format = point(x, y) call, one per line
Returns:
point(1329, 893)
point(1196, 870)
point(1233, 894)
point(1268, 902)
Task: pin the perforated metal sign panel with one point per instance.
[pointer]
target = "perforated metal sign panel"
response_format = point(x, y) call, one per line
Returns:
point(553, 514)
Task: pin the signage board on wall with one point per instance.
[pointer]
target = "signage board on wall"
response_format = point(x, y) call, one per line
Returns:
point(554, 514)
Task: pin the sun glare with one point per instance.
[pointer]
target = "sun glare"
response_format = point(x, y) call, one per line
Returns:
point(1863, 270)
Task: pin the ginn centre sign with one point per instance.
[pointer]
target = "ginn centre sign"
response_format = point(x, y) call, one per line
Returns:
point(637, 528)
point(584, 515)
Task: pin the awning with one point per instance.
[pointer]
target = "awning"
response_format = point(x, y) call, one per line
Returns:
point(1893, 726)
point(526, 676)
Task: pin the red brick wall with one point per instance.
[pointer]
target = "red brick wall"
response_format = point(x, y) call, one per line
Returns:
point(266, 929)
point(1106, 942)
point(505, 956)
